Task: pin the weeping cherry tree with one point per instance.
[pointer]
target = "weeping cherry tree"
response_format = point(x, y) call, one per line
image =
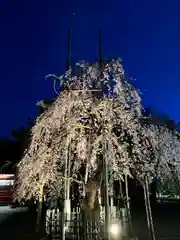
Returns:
point(95, 119)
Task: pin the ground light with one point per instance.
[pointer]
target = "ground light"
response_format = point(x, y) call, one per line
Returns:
point(115, 230)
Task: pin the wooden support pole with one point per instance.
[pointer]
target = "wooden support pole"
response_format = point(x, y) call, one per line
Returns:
point(148, 209)
point(106, 195)
point(69, 49)
point(128, 206)
point(100, 48)
point(39, 210)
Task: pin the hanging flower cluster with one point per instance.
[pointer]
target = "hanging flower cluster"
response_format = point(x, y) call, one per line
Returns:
point(163, 151)
point(168, 152)
point(97, 113)
point(85, 116)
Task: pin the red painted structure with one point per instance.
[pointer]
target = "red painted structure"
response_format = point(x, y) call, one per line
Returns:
point(6, 189)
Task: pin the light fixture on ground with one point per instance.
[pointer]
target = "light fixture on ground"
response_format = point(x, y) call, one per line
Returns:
point(115, 230)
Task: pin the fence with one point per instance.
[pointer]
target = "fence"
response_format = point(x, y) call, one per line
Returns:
point(78, 227)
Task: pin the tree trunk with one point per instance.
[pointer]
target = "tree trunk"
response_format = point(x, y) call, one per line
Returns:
point(39, 211)
point(148, 210)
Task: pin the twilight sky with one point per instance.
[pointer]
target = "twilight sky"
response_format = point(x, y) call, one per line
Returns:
point(33, 43)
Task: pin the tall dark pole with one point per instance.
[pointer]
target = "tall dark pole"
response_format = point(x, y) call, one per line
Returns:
point(100, 61)
point(148, 209)
point(106, 194)
point(105, 164)
point(128, 206)
point(67, 202)
point(69, 49)
point(100, 48)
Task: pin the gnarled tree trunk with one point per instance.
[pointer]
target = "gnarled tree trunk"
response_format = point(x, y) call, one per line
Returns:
point(91, 204)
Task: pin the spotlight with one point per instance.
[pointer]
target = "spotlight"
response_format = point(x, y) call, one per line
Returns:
point(115, 230)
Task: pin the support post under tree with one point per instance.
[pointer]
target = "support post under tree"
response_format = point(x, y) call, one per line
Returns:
point(128, 207)
point(106, 195)
point(67, 201)
point(39, 210)
point(67, 182)
point(148, 209)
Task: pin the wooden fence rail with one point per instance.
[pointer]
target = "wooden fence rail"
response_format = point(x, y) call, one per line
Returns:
point(78, 227)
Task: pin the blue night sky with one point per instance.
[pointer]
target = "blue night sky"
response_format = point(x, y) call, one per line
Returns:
point(33, 43)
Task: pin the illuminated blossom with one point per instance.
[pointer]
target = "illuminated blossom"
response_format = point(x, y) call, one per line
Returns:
point(97, 113)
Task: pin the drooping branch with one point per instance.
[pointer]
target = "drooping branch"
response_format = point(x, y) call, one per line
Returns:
point(81, 117)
